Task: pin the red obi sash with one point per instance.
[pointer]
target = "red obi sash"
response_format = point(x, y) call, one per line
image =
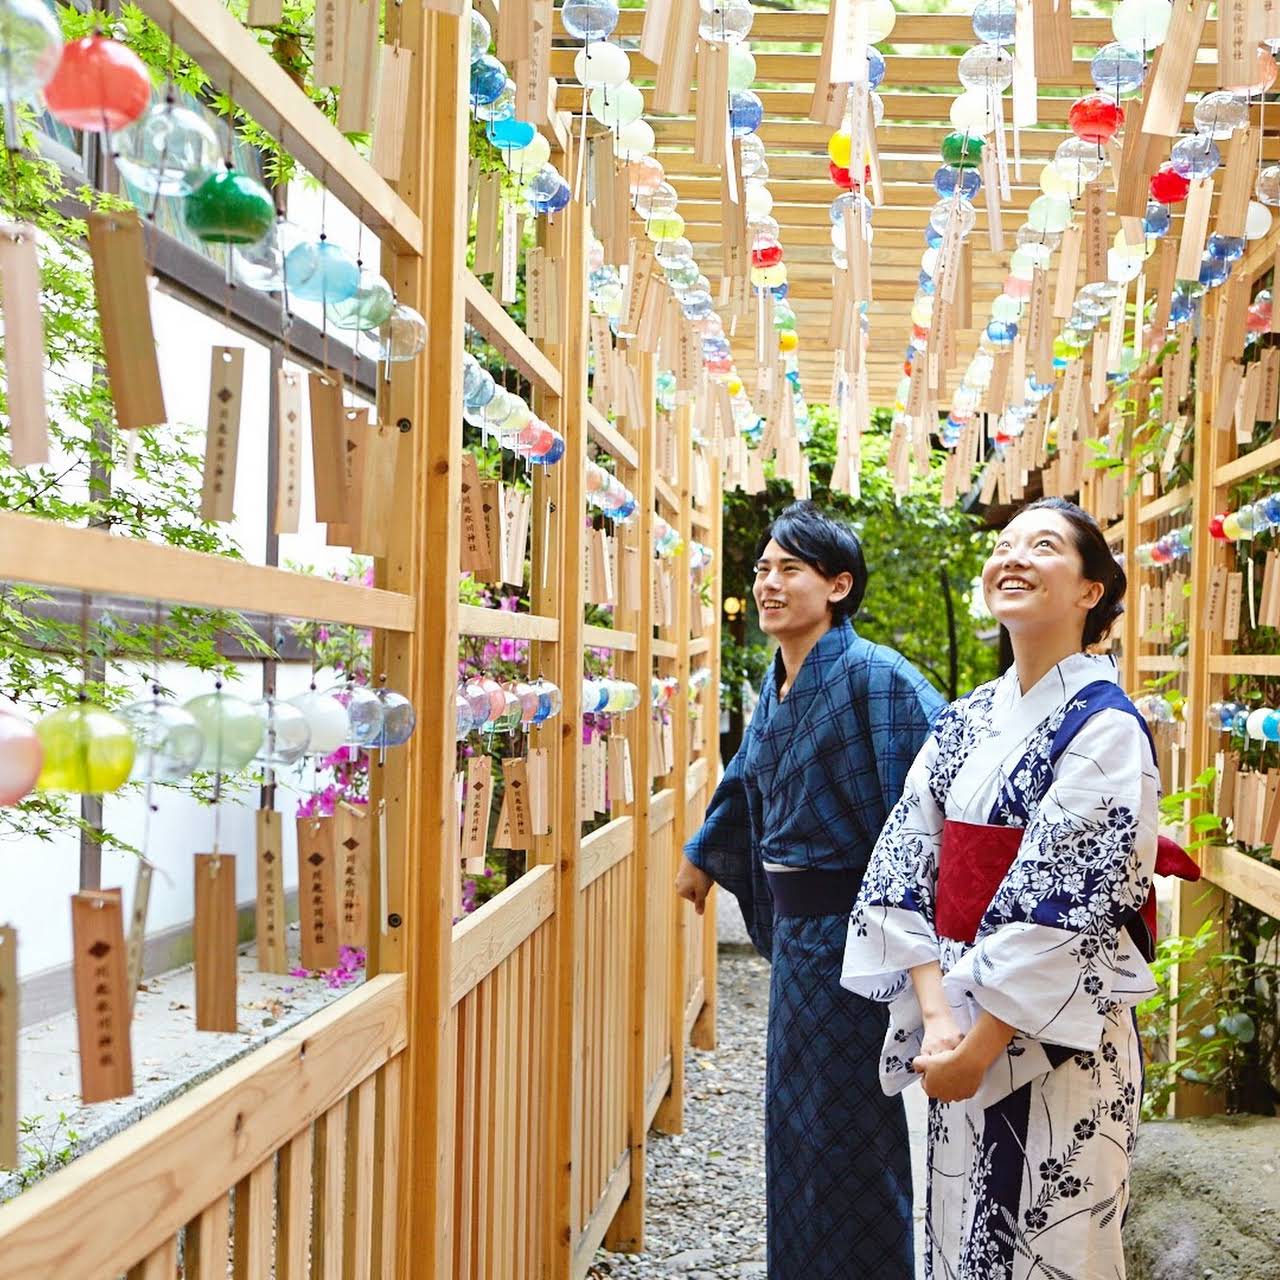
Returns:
point(975, 858)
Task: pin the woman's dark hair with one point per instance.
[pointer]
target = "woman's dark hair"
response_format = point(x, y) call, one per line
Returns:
point(829, 546)
point(1099, 565)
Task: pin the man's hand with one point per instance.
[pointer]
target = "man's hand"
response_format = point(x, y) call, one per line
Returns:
point(693, 884)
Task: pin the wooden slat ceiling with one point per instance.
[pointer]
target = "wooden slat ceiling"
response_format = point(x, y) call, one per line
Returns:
point(919, 84)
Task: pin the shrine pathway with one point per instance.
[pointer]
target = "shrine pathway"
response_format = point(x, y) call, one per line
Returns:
point(706, 1187)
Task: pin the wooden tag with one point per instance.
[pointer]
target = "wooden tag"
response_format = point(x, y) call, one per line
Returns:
point(124, 309)
point(536, 772)
point(640, 269)
point(317, 893)
point(355, 427)
point(23, 345)
point(1170, 77)
point(102, 997)
point(488, 202)
point(534, 302)
point(289, 451)
point(1224, 785)
point(378, 454)
point(269, 901)
point(475, 824)
point(1231, 610)
point(351, 831)
point(1215, 600)
point(1095, 232)
point(361, 56)
point(214, 936)
point(516, 510)
point(137, 928)
point(265, 13)
point(328, 447)
point(1052, 28)
point(222, 434)
point(393, 105)
point(1228, 389)
point(713, 101)
point(514, 828)
point(600, 776)
point(505, 279)
point(326, 57)
point(1195, 226)
point(8, 1047)
point(473, 545)
point(621, 782)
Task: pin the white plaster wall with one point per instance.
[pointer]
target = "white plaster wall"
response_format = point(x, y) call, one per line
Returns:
point(37, 877)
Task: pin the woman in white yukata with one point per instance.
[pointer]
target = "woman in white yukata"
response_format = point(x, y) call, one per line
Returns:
point(1002, 920)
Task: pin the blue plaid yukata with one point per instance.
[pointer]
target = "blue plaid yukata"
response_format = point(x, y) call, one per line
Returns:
point(815, 778)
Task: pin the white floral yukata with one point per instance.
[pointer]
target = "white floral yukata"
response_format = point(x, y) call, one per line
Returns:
point(1029, 1179)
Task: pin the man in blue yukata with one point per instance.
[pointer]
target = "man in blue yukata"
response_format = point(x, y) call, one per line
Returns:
point(789, 832)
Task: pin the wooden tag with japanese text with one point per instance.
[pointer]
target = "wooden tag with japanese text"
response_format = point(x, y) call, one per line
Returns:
point(124, 310)
point(361, 58)
point(475, 821)
point(222, 434)
point(137, 928)
point(1231, 609)
point(214, 939)
point(474, 544)
point(514, 828)
point(102, 997)
point(289, 451)
point(539, 797)
point(269, 901)
point(1215, 600)
point(317, 893)
point(352, 838)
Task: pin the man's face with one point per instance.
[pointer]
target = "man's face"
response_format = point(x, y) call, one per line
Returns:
point(793, 597)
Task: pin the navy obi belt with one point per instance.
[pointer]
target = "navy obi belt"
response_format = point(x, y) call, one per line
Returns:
point(975, 858)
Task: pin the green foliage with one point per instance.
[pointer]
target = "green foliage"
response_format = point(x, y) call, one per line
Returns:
point(909, 543)
point(41, 1150)
point(146, 485)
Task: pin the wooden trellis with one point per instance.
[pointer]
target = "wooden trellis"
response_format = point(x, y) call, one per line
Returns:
point(479, 1107)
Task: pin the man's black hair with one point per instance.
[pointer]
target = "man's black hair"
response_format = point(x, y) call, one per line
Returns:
point(827, 545)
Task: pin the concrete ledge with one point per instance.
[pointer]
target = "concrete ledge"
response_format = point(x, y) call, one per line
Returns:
point(1206, 1200)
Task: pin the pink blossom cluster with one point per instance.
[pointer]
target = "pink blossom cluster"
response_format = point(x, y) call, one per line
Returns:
point(351, 962)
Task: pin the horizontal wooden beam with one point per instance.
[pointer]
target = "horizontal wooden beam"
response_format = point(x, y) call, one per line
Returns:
point(1262, 458)
point(491, 933)
point(1243, 877)
point(174, 1163)
point(474, 620)
point(666, 493)
point(230, 54)
point(664, 648)
point(1161, 662)
point(1165, 505)
point(1244, 664)
point(486, 316)
point(45, 553)
point(609, 438)
point(607, 638)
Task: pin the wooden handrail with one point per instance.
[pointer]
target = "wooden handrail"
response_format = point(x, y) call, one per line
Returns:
point(490, 934)
point(474, 620)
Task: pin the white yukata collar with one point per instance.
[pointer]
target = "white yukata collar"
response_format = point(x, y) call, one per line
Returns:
point(1061, 682)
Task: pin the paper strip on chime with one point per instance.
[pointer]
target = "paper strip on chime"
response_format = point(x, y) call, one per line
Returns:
point(1170, 76)
point(269, 902)
point(712, 122)
point(222, 433)
point(124, 310)
point(361, 59)
point(24, 345)
point(390, 117)
point(100, 976)
point(214, 941)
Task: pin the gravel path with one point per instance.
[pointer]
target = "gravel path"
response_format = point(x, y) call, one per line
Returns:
point(706, 1187)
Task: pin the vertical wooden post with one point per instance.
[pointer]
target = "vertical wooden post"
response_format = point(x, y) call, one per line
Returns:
point(704, 1028)
point(1196, 903)
point(565, 1076)
point(442, 45)
point(626, 1232)
point(670, 1114)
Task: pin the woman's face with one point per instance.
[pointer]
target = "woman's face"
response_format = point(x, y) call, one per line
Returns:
point(1033, 579)
point(792, 597)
